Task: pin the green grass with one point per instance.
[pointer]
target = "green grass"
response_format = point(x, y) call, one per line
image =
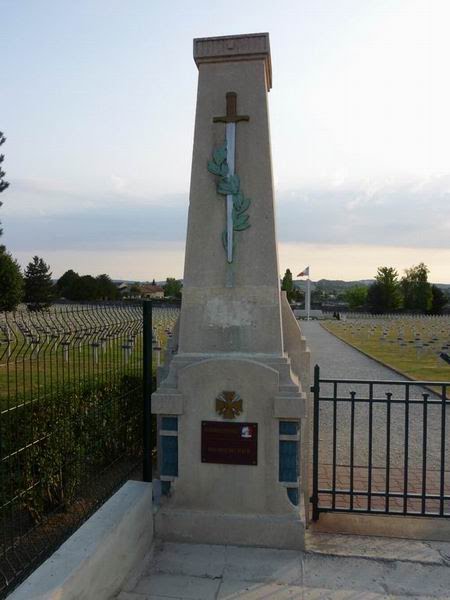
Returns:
point(27, 377)
point(29, 370)
point(379, 339)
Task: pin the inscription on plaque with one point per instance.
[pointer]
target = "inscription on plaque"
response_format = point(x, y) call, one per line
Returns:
point(229, 443)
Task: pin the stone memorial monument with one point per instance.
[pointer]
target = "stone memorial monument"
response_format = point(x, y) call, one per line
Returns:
point(231, 399)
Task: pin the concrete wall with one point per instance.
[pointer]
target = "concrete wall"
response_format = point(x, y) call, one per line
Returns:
point(97, 559)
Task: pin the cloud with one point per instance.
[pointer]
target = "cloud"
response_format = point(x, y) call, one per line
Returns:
point(411, 213)
point(402, 213)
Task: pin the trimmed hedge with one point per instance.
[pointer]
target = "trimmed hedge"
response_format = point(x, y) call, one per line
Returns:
point(55, 446)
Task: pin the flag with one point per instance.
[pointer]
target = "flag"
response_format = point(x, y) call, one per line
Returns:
point(304, 273)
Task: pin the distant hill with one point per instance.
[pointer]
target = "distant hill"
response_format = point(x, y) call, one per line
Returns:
point(338, 285)
point(327, 285)
point(131, 281)
point(331, 285)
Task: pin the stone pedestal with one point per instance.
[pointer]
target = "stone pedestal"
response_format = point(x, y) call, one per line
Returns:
point(237, 355)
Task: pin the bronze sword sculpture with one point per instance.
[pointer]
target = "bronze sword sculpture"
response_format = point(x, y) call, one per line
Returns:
point(223, 165)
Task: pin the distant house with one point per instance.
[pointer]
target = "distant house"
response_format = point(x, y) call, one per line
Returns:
point(124, 288)
point(149, 290)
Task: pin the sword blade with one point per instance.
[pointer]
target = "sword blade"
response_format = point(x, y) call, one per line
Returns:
point(231, 149)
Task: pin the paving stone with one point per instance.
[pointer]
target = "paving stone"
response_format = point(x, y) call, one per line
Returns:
point(443, 548)
point(247, 590)
point(178, 586)
point(343, 573)
point(198, 560)
point(263, 564)
point(426, 580)
point(134, 596)
point(324, 594)
point(341, 567)
point(372, 547)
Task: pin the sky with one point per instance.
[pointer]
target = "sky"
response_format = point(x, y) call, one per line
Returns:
point(97, 101)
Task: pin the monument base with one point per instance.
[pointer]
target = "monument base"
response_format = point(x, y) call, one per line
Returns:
point(286, 532)
point(234, 477)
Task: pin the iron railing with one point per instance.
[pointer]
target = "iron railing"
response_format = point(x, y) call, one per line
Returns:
point(71, 422)
point(381, 447)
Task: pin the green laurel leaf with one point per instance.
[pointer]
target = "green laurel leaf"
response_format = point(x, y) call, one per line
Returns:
point(240, 222)
point(240, 203)
point(229, 185)
point(220, 155)
point(213, 168)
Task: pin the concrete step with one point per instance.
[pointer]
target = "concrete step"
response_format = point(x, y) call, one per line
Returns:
point(288, 388)
point(334, 567)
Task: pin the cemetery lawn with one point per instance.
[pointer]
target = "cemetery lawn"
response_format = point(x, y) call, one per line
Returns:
point(421, 365)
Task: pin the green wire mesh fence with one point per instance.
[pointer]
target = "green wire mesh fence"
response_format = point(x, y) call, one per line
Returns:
point(71, 420)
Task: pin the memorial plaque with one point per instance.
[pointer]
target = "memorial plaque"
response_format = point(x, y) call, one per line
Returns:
point(229, 443)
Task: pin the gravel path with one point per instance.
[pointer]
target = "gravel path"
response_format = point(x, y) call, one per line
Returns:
point(339, 360)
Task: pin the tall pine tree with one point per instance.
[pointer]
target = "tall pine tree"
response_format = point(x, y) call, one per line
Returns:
point(38, 285)
point(384, 295)
point(3, 184)
point(11, 282)
point(287, 285)
point(417, 291)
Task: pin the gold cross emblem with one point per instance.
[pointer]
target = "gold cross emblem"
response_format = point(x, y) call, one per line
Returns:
point(229, 405)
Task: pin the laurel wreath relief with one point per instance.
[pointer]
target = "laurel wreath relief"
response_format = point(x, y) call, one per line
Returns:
point(230, 184)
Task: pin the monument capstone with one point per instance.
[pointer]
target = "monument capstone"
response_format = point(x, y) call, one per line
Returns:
point(231, 400)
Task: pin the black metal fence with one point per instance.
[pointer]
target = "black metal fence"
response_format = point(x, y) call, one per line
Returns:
point(71, 422)
point(381, 447)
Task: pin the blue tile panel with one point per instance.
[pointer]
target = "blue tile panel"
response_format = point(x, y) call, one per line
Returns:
point(165, 487)
point(169, 448)
point(288, 465)
point(293, 495)
point(288, 428)
point(169, 423)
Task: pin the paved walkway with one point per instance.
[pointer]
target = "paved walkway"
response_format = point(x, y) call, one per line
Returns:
point(332, 568)
point(339, 360)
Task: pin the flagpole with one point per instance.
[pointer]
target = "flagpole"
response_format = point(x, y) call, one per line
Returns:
point(305, 273)
point(308, 298)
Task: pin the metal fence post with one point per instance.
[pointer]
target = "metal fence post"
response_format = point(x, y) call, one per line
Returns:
point(315, 495)
point(147, 392)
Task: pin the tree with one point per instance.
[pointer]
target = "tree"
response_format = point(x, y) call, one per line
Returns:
point(417, 294)
point(11, 282)
point(106, 290)
point(172, 289)
point(384, 295)
point(135, 290)
point(438, 301)
point(356, 296)
point(293, 294)
point(66, 282)
point(84, 288)
point(319, 295)
point(3, 184)
point(298, 295)
point(39, 290)
point(287, 285)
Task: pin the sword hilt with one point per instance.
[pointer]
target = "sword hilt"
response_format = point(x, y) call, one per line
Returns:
point(231, 116)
